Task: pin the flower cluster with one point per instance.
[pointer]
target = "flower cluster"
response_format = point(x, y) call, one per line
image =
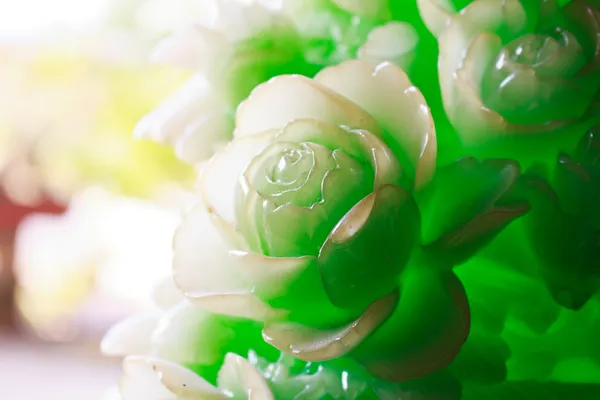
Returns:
point(377, 179)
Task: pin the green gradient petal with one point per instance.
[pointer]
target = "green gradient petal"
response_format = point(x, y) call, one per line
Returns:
point(365, 253)
point(425, 332)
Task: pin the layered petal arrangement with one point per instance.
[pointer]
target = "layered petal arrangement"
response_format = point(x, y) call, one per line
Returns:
point(393, 205)
point(167, 349)
point(511, 67)
point(303, 206)
point(244, 43)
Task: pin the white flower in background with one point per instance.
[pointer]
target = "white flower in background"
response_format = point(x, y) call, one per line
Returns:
point(348, 29)
point(194, 120)
point(436, 14)
point(395, 42)
point(239, 44)
point(154, 379)
point(163, 346)
point(235, 48)
point(339, 30)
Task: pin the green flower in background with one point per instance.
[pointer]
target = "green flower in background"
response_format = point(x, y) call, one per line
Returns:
point(518, 68)
point(553, 267)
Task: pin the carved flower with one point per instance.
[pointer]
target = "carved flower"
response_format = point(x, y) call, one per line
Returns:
point(506, 68)
point(174, 351)
point(338, 30)
point(150, 378)
point(308, 224)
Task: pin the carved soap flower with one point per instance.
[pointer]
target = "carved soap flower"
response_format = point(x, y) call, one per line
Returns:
point(239, 46)
point(178, 351)
point(308, 224)
point(510, 68)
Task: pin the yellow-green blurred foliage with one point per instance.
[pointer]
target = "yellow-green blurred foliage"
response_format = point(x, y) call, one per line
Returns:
point(71, 115)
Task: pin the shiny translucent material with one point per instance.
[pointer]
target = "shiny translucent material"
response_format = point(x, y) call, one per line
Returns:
point(405, 204)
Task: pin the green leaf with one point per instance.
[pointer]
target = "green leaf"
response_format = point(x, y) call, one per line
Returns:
point(577, 179)
point(467, 205)
point(482, 359)
point(562, 226)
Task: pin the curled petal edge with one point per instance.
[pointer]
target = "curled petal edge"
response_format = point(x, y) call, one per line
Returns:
point(310, 344)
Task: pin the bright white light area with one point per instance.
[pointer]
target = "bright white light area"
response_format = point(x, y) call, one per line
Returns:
point(33, 18)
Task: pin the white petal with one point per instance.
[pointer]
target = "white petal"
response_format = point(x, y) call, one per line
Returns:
point(222, 174)
point(188, 335)
point(204, 136)
point(399, 107)
point(131, 336)
point(238, 375)
point(461, 93)
point(286, 98)
point(201, 259)
point(394, 41)
point(321, 345)
point(242, 305)
point(241, 20)
point(436, 14)
point(204, 269)
point(364, 8)
point(194, 115)
point(154, 379)
point(194, 47)
point(166, 294)
point(271, 276)
point(480, 17)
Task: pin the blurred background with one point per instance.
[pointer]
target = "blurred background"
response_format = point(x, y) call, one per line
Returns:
point(86, 212)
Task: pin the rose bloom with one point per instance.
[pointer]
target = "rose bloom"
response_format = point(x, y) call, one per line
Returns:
point(308, 224)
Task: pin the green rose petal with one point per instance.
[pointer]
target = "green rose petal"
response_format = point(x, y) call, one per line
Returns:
point(511, 70)
point(283, 283)
point(363, 256)
point(425, 332)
